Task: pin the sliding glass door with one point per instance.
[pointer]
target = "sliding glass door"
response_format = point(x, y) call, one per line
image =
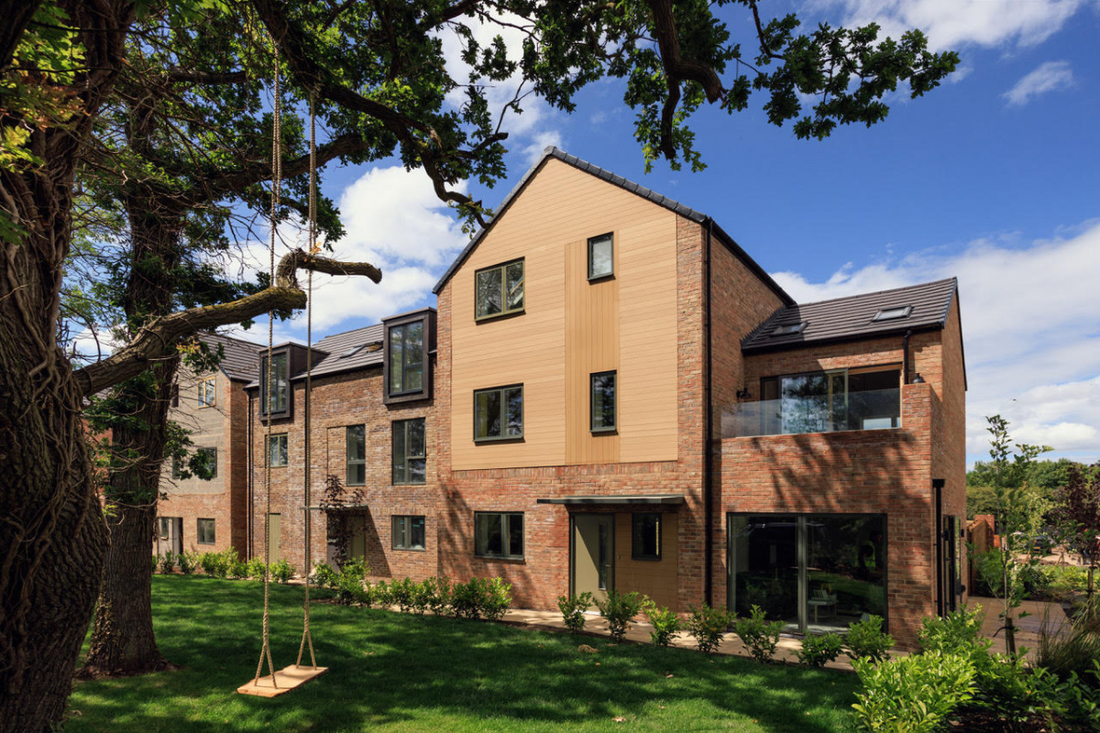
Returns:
point(816, 572)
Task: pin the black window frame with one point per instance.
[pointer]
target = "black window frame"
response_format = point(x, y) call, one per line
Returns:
point(882, 314)
point(403, 329)
point(426, 317)
point(349, 463)
point(177, 468)
point(404, 427)
point(635, 553)
point(211, 452)
point(200, 533)
point(505, 311)
point(283, 354)
point(592, 402)
point(503, 438)
point(407, 520)
point(505, 530)
point(595, 240)
point(286, 440)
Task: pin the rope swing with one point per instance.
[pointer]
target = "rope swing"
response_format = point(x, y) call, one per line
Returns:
point(288, 678)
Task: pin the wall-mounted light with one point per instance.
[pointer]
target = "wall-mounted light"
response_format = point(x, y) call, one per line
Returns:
point(918, 379)
point(743, 394)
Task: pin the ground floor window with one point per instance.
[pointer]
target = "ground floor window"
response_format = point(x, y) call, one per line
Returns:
point(408, 533)
point(206, 532)
point(817, 572)
point(646, 536)
point(499, 534)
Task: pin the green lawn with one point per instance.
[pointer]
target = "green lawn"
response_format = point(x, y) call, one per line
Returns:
point(400, 672)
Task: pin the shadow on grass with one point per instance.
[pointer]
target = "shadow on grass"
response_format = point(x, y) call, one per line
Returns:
point(414, 673)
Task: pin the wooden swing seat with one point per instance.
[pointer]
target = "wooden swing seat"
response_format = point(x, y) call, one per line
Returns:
point(288, 679)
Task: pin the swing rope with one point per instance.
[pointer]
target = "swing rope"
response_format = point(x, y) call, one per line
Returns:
point(276, 177)
point(307, 637)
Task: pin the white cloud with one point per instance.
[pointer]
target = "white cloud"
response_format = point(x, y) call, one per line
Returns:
point(1031, 329)
point(950, 24)
point(1049, 77)
point(534, 151)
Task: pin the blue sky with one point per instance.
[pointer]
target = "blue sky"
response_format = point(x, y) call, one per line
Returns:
point(992, 178)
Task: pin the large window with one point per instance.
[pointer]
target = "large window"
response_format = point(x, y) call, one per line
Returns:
point(498, 413)
point(408, 533)
point(646, 536)
point(280, 386)
point(205, 532)
point(816, 572)
point(410, 454)
point(601, 257)
point(499, 535)
point(406, 358)
point(603, 402)
point(207, 392)
point(499, 290)
point(356, 455)
point(277, 451)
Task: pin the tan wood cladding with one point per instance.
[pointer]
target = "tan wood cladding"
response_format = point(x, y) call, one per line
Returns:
point(572, 327)
point(654, 578)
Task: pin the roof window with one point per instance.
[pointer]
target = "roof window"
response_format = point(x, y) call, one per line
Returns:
point(892, 314)
point(372, 346)
point(785, 329)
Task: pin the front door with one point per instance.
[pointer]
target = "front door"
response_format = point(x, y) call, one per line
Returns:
point(170, 535)
point(593, 554)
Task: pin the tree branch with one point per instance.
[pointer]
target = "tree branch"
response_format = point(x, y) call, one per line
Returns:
point(206, 77)
point(158, 338)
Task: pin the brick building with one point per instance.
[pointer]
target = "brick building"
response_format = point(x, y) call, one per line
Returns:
point(614, 394)
point(197, 514)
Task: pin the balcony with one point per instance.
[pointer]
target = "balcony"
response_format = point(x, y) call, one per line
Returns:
point(824, 412)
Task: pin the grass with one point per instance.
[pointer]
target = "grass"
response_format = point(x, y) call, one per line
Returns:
point(397, 672)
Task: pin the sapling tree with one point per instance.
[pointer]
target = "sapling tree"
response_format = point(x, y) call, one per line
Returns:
point(1077, 511)
point(1018, 511)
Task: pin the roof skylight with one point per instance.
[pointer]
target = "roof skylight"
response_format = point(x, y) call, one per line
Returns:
point(891, 314)
point(785, 329)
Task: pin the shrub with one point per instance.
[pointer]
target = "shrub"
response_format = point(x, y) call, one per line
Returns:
point(958, 631)
point(496, 598)
point(619, 609)
point(324, 575)
point(382, 595)
point(401, 593)
point(238, 569)
point(759, 635)
point(156, 563)
point(706, 625)
point(208, 561)
point(466, 599)
point(224, 561)
point(665, 622)
point(817, 651)
point(420, 597)
point(438, 592)
point(867, 640)
point(349, 584)
point(187, 562)
point(256, 568)
point(914, 694)
point(168, 562)
point(282, 571)
point(572, 610)
point(1074, 647)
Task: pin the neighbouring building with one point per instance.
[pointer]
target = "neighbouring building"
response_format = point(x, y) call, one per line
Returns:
point(613, 394)
point(198, 514)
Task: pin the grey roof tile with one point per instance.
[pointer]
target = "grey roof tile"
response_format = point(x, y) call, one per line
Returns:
point(240, 360)
point(853, 317)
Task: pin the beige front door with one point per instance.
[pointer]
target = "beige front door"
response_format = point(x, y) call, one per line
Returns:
point(274, 537)
point(593, 554)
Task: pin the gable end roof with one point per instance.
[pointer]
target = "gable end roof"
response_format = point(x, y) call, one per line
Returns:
point(626, 184)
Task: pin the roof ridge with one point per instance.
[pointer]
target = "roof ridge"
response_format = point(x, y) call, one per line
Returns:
point(875, 292)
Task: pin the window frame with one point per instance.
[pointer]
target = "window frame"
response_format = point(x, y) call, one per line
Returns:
point(829, 396)
point(348, 462)
point(592, 402)
point(503, 438)
point(505, 530)
point(207, 388)
point(596, 239)
point(505, 311)
point(407, 521)
point(199, 534)
point(635, 554)
point(405, 364)
point(427, 317)
point(286, 441)
point(211, 451)
point(263, 397)
point(405, 423)
point(882, 314)
point(177, 468)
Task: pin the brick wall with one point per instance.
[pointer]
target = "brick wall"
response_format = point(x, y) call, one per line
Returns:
point(339, 401)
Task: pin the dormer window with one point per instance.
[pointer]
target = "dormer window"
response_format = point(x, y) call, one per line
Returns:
point(785, 329)
point(892, 314)
point(277, 403)
point(408, 342)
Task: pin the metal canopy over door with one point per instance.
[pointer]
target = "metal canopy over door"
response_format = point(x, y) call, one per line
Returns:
point(593, 557)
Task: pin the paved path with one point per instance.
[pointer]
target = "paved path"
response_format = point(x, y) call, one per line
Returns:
point(1027, 628)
